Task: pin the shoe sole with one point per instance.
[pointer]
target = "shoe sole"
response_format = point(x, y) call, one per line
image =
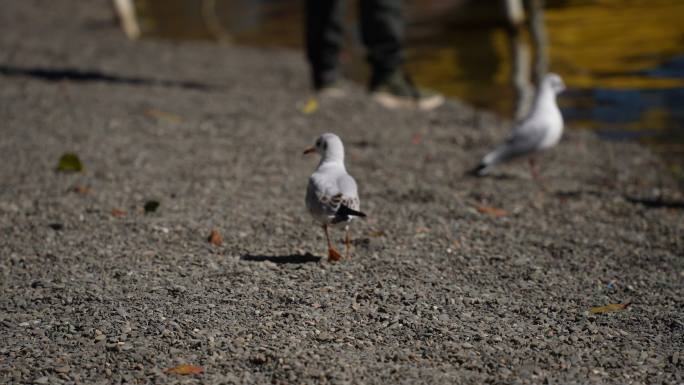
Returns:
point(393, 102)
point(332, 93)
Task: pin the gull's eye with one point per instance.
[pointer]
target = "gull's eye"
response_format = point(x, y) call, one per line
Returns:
point(325, 146)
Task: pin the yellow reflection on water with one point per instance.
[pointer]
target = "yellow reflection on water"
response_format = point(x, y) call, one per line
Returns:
point(606, 43)
point(597, 44)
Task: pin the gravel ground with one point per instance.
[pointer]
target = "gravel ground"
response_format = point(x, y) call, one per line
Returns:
point(96, 291)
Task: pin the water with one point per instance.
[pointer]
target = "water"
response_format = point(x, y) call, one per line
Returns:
point(623, 60)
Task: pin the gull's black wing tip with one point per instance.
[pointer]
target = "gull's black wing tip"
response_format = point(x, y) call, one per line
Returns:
point(479, 170)
point(344, 210)
point(345, 213)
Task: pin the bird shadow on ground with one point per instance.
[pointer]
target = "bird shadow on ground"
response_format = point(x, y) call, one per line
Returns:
point(495, 176)
point(650, 203)
point(576, 194)
point(78, 75)
point(282, 259)
point(656, 203)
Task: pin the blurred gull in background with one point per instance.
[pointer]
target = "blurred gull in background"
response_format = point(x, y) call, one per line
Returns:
point(540, 130)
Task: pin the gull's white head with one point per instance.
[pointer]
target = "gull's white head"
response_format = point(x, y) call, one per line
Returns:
point(555, 82)
point(329, 146)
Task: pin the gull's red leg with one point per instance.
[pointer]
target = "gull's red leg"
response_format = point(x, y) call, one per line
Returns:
point(535, 174)
point(347, 242)
point(333, 255)
point(533, 169)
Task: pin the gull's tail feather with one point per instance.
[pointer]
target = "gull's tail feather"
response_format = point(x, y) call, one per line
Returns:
point(479, 170)
point(344, 214)
point(493, 158)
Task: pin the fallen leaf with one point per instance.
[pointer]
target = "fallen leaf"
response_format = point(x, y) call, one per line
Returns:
point(163, 115)
point(421, 232)
point(56, 226)
point(609, 308)
point(417, 138)
point(63, 369)
point(118, 213)
point(185, 369)
point(215, 238)
point(81, 189)
point(492, 211)
point(151, 206)
point(310, 107)
point(376, 233)
point(69, 162)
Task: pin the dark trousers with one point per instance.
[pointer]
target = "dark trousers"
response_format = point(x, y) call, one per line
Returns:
point(382, 33)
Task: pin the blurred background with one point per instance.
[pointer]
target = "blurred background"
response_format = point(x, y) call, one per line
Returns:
point(623, 60)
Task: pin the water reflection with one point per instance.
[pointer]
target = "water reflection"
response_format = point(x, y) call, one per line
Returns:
point(623, 60)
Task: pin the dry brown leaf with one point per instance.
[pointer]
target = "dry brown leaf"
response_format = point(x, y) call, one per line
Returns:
point(185, 369)
point(417, 138)
point(163, 115)
point(422, 230)
point(79, 189)
point(609, 308)
point(376, 233)
point(492, 211)
point(118, 213)
point(215, 238)
point(63, 369)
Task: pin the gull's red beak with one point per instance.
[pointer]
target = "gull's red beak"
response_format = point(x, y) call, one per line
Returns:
point(310, 150)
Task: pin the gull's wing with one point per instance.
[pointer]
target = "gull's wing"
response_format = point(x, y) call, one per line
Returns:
point(335, 197)
point(348, 191)
point(524, 138)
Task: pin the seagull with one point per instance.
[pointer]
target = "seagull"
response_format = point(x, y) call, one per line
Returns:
point(332, 196)
point(540, 130)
